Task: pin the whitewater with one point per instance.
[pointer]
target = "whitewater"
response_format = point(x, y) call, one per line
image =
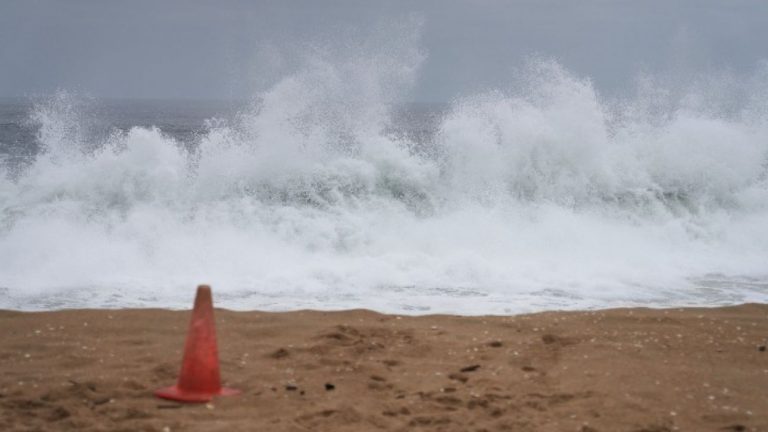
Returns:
point(545, 194)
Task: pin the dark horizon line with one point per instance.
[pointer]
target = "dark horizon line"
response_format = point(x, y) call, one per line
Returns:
point(39, 96)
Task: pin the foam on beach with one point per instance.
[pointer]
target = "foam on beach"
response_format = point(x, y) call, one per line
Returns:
point(545, 194)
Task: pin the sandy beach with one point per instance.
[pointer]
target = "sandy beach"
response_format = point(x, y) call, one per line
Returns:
point(615, 370)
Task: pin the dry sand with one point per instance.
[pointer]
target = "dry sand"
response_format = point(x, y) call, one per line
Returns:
point(617, 370)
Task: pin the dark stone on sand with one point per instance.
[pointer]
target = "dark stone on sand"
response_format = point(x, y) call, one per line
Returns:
point(495, 344)
point(329, 387)
point(549, 338)
point(458, 377)
point(280, 353)
point(59, 413)
point(101, 401)
point(291, 387)
point(761, 348)
point(470, 368)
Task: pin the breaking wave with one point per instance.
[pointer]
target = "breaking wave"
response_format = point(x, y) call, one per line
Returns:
point(540, 195)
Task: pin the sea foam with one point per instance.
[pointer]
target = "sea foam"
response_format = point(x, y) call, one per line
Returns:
point(541, 195)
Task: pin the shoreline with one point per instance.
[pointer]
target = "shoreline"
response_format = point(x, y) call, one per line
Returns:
point(632, 369)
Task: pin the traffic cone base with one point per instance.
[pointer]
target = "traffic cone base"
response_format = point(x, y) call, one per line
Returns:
point(176, 394)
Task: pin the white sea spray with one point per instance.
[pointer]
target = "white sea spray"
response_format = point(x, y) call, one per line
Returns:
point(541, 195)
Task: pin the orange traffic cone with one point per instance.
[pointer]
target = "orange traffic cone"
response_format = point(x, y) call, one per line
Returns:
point(199, 380)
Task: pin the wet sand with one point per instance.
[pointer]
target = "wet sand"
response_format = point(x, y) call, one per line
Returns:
point(615, 370)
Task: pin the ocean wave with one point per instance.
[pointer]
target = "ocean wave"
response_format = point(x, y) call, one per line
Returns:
point(543, 187)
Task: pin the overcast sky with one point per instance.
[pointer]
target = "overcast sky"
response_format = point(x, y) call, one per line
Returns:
point(232, 49)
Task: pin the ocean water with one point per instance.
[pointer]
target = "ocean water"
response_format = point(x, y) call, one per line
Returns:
point(326, 191)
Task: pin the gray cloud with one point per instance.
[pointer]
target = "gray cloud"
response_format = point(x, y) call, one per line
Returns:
point(230, 49)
